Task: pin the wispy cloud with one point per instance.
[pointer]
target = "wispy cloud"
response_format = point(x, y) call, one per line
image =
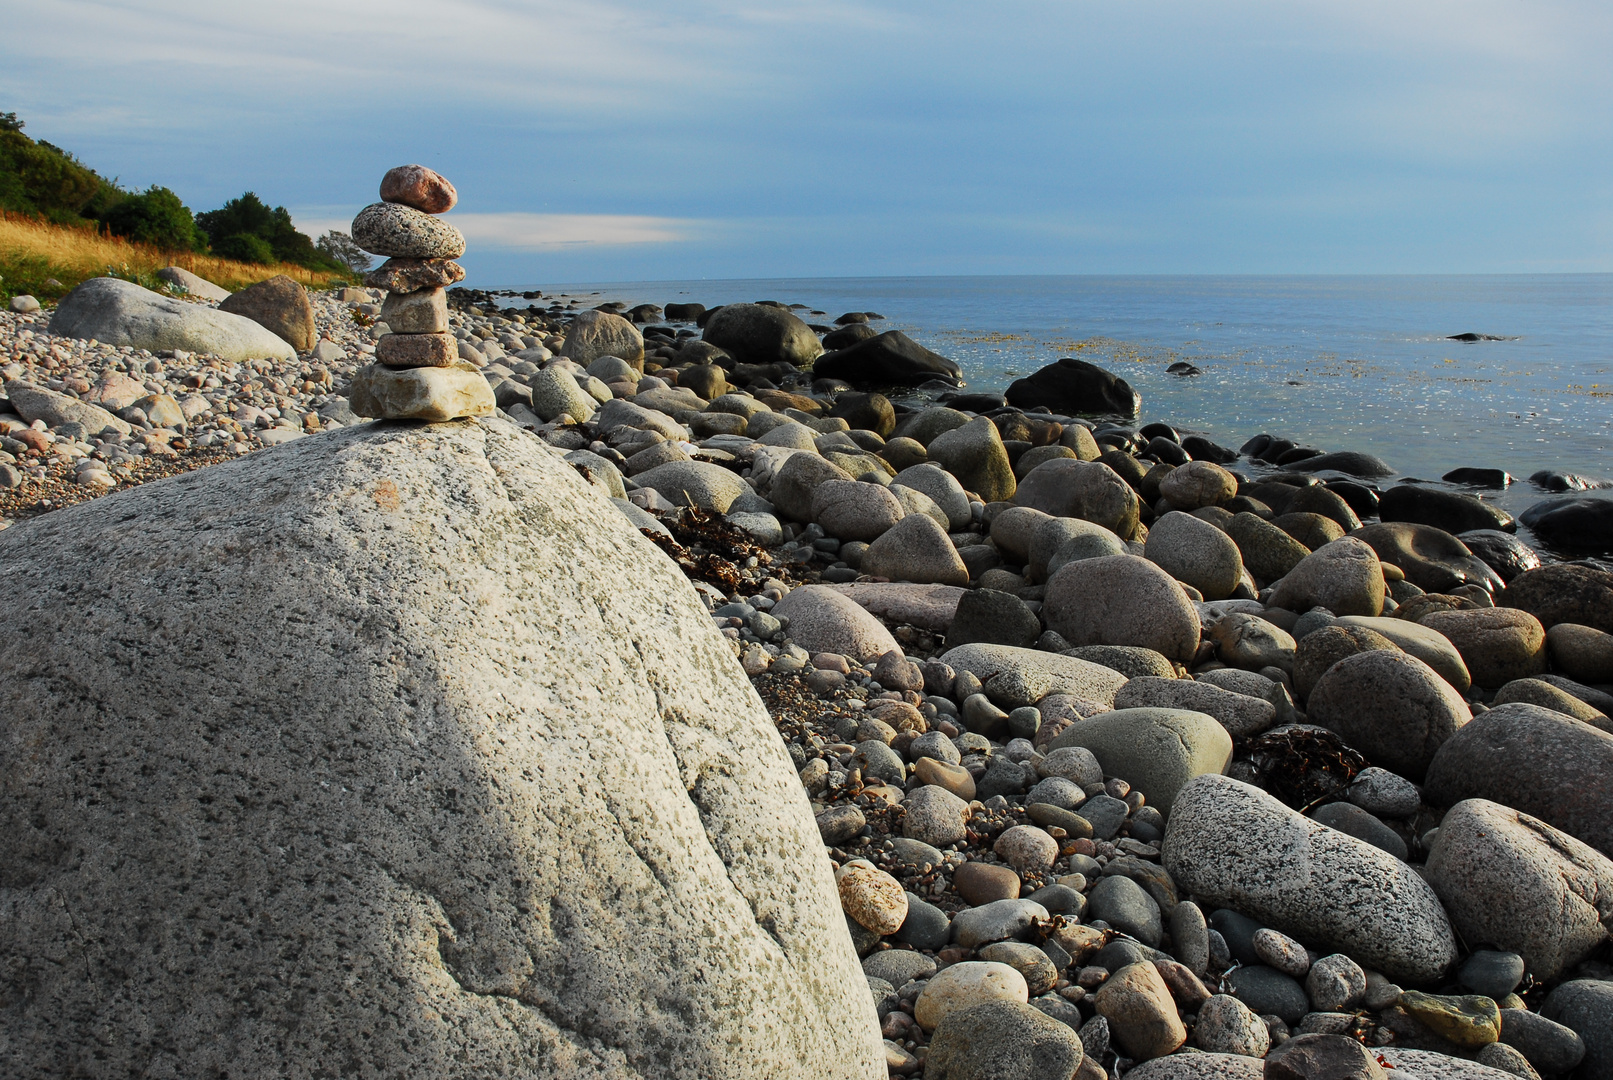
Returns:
point(517, 231)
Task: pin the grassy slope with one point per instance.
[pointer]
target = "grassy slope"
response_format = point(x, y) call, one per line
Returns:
point(32, 251)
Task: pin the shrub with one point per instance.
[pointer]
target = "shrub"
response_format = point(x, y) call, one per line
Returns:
point(251, 216)
point(155, 217)
point(245, 247)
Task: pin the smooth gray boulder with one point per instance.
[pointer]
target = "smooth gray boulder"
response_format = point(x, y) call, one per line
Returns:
point(1156, 751)
point(1390, 706)
point(1512, 881)
point(1585, 1006)
point(368, 777)
point(118, 312)
point(1543, 763)
point(1002, 1039)
point(55, 409)
point(942, 488)
point(1240, 714)
point(1121, 600)
point(1235, 846)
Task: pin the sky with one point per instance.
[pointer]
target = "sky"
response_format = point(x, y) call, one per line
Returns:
point(605, 140)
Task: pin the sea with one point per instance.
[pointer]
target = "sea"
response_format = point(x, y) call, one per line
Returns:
point(1339, 363)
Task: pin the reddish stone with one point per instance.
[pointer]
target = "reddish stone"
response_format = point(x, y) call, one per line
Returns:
point(419, 187)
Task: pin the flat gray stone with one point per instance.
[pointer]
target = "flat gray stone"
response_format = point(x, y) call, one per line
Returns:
point(1067, 675)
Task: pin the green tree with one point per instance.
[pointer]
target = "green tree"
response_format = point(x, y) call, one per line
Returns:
point(245, 247)
point(156, 217)
point(248, 215)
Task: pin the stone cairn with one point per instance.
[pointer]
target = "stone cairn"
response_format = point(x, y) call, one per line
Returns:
point(418, 374)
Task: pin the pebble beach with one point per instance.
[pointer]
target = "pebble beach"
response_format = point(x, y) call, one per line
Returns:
point(1134, 751)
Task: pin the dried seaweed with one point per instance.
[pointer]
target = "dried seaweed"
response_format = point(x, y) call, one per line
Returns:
point(1304, 766)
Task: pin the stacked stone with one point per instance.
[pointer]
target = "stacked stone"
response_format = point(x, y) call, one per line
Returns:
point(418, 374)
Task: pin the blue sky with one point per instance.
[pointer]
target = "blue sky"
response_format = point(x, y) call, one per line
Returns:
point(605, 140)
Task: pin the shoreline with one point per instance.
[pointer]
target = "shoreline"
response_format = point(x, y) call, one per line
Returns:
point(1055, 690)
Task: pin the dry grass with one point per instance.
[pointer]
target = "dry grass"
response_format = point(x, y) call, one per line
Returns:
point(34, 251)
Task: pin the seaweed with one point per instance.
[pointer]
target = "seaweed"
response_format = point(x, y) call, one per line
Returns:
point(1304, 767)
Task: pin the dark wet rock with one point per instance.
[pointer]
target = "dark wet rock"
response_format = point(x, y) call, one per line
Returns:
point(865, 412)
point(1077, 388)
point(888, 359)
point(1452, 511)
point(1359, 497)
point(847, 336)
point(1204, 449)
point(1586, 1007)
point(1344, 461)
point(1431, 558)
point(1488, 478)
point(1552, 480)
point(1500, 551)
point(1326, 502)
point(1573, 525)
point(1564, 593)
point(762, 334)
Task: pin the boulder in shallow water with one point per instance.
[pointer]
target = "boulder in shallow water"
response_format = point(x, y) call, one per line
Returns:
point(1077, 388)
point(1573, 525)
point(117, 312)
point(762, 334)
point(888, 359)
point(1453, 511)
point(415, 725)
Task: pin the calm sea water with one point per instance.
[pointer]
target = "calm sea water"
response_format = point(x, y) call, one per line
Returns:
point(1341, 363)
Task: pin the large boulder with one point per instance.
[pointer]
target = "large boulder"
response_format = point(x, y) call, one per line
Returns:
point(279, 305)
point(822, 620)
point(1512, 881)
point(117, 312)
point(1541, 762)
point(199, 287)
point(1575, 526)
point(1497, 644)
point(915, 549)
point(762, 334)
point(888, 359)
point(1344, 576)
point(974, 453)
point(1428, 645)
point(1432, 559)
point(1121, 600)
point(593, 334)
point(55, 409)
point(1453, 511)
point(797, 481)
point(415, 758)
point(1392, 707)
point(1076, 388)
point(1193, 551)
point(1156, 751)
point(1235, 846)
point(942, 488)
point(1089, 490)
point(1564, 592)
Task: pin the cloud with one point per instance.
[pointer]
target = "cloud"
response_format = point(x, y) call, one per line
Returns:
point(517, 231)
point(539, 232)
